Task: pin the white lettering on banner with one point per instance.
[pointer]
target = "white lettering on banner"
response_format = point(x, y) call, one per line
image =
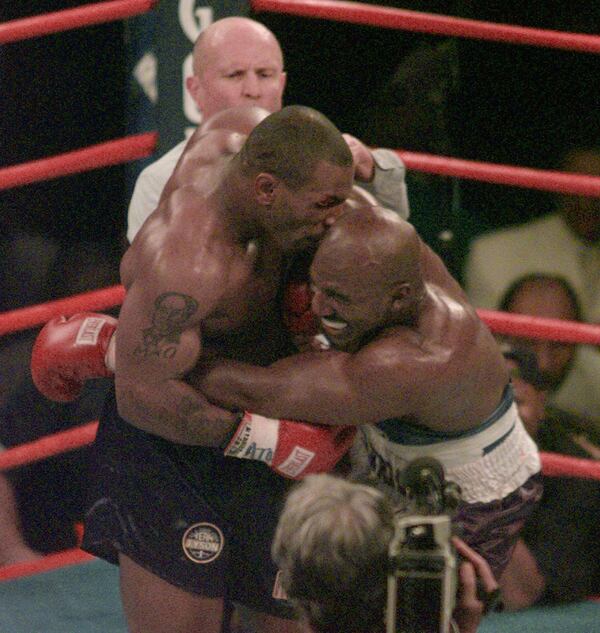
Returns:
point(190, 109)
point(193, 19)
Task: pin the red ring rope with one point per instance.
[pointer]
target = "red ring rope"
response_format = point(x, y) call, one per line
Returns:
point(24, 318)
point(390, 18)
point(92, 157)
point(498, 322)
point(553, 464)
point(28, 28)
point(546, 180)
point(48, 446)
point(537, 327)
point(47, 563)
point(556, 465)
point(142, 145)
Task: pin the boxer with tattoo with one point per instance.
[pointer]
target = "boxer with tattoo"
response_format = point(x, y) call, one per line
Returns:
point(189, 526)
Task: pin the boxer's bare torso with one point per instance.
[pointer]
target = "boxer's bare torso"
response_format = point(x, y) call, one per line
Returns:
point(419, 354)
point(196, 284)
point(203, 276)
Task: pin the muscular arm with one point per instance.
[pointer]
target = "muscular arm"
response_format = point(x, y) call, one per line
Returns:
point(159, 340)
point(323, 387)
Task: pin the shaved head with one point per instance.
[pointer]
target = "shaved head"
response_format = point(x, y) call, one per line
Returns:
point(377, 243)
point(220, 34)
point(236, 61)
point(366, 276)
point(552, 298)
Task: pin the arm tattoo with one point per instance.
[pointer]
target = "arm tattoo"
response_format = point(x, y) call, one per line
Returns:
point(171, 313)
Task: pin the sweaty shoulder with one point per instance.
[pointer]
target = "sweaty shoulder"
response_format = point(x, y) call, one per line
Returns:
point(201, 264)
point(460, 342)
point(186, 232)
point(199, 170)
point(448, 314)
point(445, 325)
point(217, 139)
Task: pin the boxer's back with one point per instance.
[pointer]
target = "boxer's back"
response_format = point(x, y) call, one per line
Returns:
point(465, 375)
point(382, 295)
point(472, 350)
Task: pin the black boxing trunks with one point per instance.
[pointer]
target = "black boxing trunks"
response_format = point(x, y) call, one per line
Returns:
point(196, 519)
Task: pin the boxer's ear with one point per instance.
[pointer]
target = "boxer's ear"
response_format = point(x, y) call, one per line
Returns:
point(265, 186)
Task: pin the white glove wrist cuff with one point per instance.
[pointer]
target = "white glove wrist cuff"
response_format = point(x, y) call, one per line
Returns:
point(109, 357)
point(256, 438)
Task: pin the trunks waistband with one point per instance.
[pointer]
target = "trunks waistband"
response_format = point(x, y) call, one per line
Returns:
point(407, 433)
point(488, 465)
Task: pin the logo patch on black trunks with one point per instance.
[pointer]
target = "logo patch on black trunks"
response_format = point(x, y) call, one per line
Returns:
point(203, 542)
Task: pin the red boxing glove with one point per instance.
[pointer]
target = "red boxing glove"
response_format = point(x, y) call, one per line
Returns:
point(297, 314)
point(69, 351)
point(291, 449)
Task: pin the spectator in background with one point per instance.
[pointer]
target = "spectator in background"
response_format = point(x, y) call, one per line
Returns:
point(412, 112)
point(331, 546)
point(571, 373)
point(238, 61)
point(563, 244)
point(557, 557)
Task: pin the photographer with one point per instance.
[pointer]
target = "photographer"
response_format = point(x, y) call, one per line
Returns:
point(331, 546)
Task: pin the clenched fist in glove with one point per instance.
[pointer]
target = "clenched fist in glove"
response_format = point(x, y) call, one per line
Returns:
point(292, 449)
point(70, 350)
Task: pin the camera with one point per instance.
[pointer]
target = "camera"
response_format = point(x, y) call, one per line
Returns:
point(422, 574)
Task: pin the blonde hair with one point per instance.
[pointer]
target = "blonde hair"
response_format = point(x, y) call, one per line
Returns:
point(331, 546)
